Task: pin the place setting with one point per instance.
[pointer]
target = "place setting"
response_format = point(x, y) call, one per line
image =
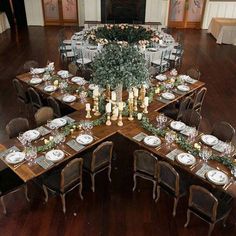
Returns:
point(166, 97)
point(152, 141)
point(68, 98)
point(56, 123)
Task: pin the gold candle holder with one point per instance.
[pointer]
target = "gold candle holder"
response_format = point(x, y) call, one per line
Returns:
point(108, 122)
point(96, 107)
point(142, 95)
point(145, 109)
point(120, 122)
point(131, 107)
point(88, 115)
point(135, 103)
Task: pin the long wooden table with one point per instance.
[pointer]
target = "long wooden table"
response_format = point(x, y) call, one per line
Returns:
point(102, 132)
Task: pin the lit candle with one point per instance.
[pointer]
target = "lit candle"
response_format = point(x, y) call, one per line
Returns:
point(95, 91)
point(87, 107)
point(108, 107)
point(131, 95)
point(139, 116)
point(146, 101)
point(120, 105)
point(135, 92)
point(113, 96)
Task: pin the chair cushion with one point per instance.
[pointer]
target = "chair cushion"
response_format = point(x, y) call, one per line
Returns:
point(9, 181)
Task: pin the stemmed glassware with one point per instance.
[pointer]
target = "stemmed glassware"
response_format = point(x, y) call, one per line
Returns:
point(161, 121)
point(193, 132)
point(87, 127)
point(205, 153)
point(170, 138)
point(228, 149)
point(30, 154)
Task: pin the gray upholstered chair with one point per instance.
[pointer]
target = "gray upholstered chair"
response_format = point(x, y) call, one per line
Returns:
point(206, 206)
point(43, 115)
point(146, 167)
point(99, 160)
point(16, 126)
point(64, 181)
point(170, 181)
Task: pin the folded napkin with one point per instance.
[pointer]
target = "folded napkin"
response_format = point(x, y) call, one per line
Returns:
point(171, 155)
point(203, 170)
point(43, 162)
point(186, 131)
point(43, 131)
point(219, 147)
point(74, 145)
point(179, 92)
point(163, 100)
point(68, 119)
point(139, 137)
point(11, 149)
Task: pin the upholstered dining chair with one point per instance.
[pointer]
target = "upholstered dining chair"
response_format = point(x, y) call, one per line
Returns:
point(43, 115)
point(223, 131)
point(35, 99)
point(199, 98)
point(22, 96)
point(55, 106)
point(206, 206)
point(171, 182)
point(191, 118)
point(73, 68)
point(99, 160)
point(64, 181)
point(145, 167)
point(10, 183)
point(17, 125)
point(27, 66)
point(193, 72)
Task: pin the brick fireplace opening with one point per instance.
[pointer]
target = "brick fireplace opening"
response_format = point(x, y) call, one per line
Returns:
point(123, 11)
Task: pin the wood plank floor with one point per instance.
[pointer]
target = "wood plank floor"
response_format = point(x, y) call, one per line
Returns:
point(113, 209)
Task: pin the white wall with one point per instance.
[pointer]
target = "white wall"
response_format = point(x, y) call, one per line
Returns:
point(218, 9)
point(4, 24)
point(92, 10)
point(34, 12)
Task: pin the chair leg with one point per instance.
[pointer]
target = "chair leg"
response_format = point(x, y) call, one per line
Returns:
point(109, 173)
point(93, 182)
point(46, 193)
point(176, 200)
point(3, 206)
point(154, 190)
point(63, 201)
point(80, 191)
point(211, 228)
point(188, 218)
point(26, 192)
point(158, 193)
point(134, 187)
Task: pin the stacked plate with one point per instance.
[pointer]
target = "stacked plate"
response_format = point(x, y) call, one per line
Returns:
point(177, 125)
point(38, 70)
point(168, 96)
point(209, 140)
point(36, 81)
point(161, 77)
point(92, 86)
point(31, 135)
point(63, 73)
point(84, 139)
point(217, 177)
point(152, 141)
point(58, 122)
point(69, 98)
point(15, 157)
point(78, 80)
point(152, 49)
point(183, 88)
point(50, 88)
point(186, 159)
point(55, 155)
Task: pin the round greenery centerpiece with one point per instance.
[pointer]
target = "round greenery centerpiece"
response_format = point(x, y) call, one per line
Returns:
point(118, 64)
point(122, 32)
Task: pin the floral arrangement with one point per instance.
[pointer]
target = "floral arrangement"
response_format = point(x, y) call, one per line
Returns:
point(122, 32)
point(119, 65)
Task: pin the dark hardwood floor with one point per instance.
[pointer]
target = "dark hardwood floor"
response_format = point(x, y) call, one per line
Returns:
point(113, 209)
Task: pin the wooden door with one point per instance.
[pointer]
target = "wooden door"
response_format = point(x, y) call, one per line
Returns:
point(60, 12)
point(186, 13)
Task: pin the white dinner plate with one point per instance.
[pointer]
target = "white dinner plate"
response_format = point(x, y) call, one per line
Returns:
point(50, 88)
point(152, 141)
point(177, 125)
point(168, 96)
point(63, 73)
point(183, 88)
point(31, 135)
point(152, 49)
point(36, 81)
point(78, 80)
point(69, 98)
point(161, 77)
point(38, 70)
point(84, 139)
point(91, 86)
point(209, 139)
point(186, 159)
point(58, 122)
point(55, 155)
point(217, 177)
point(15, 157)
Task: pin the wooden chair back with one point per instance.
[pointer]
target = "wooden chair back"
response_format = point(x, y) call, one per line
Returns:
point(16, 126)
point(191, 118)
point(223, 131)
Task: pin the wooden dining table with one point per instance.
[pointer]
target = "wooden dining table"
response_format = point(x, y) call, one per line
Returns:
point(103, 132)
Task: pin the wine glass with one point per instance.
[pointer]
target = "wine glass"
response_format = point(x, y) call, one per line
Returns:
point(30, 154)
point(170, 138)
point(228, 149)
point(205, 153)
point(193, 132)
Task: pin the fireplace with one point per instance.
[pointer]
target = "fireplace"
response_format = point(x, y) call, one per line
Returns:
point(123, 11)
